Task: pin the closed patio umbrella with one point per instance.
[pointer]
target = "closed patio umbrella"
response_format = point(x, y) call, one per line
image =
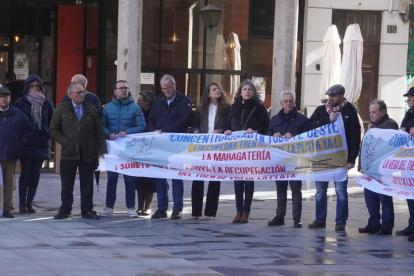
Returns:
point(351, 69)
point(331, 65)
point(233, 52)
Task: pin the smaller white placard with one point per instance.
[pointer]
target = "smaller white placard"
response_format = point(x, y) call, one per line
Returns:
point(147, 78)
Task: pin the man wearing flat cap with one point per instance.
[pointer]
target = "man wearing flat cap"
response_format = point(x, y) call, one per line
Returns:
point(15, 131)
point(325, 114)
point(408, 126)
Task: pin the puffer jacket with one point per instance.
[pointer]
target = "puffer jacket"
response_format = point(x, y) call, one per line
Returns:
point(351, 123)
point(15, 131)
point(175, 117)
point(39, 146)
point(75, 137)
point(245, 114)
point(294, 123)
point(122, 116)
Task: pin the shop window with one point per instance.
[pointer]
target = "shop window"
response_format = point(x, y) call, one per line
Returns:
point(182, 35)
point(150, 33)
point(227, 43)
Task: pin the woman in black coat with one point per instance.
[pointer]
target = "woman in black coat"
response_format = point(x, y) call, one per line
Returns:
point(39, 110)
point(145, 186)
point(247, 113)
point(209, 118)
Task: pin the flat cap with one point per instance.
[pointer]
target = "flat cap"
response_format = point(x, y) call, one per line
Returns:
point(335, 90)
point(4, 91)
point(410, 92)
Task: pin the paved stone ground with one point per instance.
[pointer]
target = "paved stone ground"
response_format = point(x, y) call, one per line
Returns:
point(38, 245)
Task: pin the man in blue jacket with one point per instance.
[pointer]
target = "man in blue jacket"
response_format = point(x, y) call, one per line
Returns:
point(15, 131)
point(121, 117)
point(287, 123)
point(171, 112)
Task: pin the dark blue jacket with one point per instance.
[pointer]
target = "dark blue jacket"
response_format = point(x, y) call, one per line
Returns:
point(294, 123)
point(90, 98)
point(173, 118)
point(122, 116)
point(39, 146)
point(15, 131)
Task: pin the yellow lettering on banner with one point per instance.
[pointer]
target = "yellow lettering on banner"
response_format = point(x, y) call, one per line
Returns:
point(300, 147)
point(405, 153)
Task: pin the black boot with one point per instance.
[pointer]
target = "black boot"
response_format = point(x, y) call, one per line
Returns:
point(147, 204)
point(30, 208)
point(22, 208)
point(141, 199)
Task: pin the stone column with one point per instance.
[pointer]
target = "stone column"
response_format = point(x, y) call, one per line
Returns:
point(130, 44)
point(284, 49)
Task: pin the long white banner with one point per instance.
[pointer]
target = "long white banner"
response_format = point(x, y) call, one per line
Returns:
point(387, 160)
point(319, 154)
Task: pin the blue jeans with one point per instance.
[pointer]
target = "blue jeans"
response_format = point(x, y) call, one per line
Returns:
point(410, 203)
point(243, 188)
point(177, 193)
point(373, 201)
point(322, 201)
point(111, 190)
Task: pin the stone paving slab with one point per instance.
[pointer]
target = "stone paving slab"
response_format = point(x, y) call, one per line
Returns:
point(39, 245)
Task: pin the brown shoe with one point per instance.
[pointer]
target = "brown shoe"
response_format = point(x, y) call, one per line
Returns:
point(244, 218)
point(237, 218)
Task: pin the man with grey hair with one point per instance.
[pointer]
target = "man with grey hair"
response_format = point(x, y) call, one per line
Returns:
point(287, 123)
point(171, 112)
point(90, 98)
point(77, 127)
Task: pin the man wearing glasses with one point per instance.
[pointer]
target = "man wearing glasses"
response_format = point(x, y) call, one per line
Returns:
point(171, 112)
point(287, 123)
point(77, 127)
point(121, 117)
point(90, 98)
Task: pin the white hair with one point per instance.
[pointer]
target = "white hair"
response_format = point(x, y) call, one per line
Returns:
point(81, 79)
point(167, 78)
point(287, 93)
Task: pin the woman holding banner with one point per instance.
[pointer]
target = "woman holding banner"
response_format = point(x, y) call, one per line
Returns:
point(209, 118)
point(250, 115)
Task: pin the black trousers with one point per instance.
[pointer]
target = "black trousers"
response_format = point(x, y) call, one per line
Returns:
point(67, 175)
point(197, 196)
point(29, 179)
point(281, 188)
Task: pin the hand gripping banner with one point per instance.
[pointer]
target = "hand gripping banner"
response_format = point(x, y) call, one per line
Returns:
point(387, 160)
point(319, 154)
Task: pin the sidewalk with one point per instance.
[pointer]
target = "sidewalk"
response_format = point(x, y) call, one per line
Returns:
point(39, 245)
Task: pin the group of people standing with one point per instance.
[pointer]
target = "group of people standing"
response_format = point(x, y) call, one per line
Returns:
point(81, 126)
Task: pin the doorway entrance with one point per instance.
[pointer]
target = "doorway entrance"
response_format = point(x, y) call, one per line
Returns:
point(370, 24)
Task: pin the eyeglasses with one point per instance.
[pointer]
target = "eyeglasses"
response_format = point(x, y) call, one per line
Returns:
point(122, 88)
point(167, 88)
point(79, 92)
point(287, 101)
point(34, 86)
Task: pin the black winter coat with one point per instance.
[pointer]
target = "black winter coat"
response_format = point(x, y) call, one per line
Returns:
point(39, 147)
point(15, 131)
point(351, 123)
point(245, 114)
point(173, 118)
point(200, 121)
point(408, 121)
point(294, 123)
